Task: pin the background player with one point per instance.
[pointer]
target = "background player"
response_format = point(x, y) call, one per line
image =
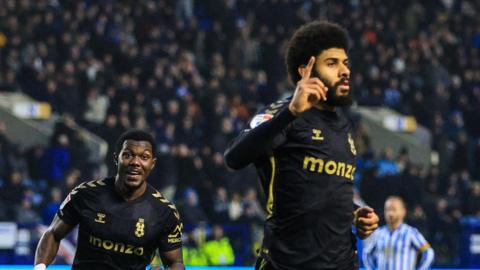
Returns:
point(396, 245)
point(122, 219)
point(304, 153)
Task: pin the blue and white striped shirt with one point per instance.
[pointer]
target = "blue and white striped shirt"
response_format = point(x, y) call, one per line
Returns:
point(397, 250)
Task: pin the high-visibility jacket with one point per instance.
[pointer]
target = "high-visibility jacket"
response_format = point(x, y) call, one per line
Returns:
point(194, 256)
point(219, 252)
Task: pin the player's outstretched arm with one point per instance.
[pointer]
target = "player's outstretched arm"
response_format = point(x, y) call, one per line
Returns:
point(173, 259)
point(47, 247)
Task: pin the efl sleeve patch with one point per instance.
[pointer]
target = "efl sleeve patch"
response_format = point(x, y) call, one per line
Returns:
point(259, 119)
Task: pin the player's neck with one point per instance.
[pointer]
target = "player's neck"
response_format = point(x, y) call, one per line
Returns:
point(129, 193)
point(393, 227)
point(324, 107)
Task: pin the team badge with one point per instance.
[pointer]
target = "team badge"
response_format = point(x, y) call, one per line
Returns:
point(352, 144)
point(140, 228)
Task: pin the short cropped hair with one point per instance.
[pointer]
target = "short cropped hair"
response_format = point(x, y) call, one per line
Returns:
point(310, 40)
point(398, 198)
point(135, 135)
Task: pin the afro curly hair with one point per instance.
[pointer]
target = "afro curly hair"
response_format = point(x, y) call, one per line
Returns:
point(310, 40)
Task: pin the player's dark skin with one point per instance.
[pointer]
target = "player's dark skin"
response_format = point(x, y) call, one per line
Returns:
point(134, 163)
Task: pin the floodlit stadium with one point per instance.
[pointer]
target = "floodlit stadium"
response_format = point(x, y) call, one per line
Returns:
point(195, 74)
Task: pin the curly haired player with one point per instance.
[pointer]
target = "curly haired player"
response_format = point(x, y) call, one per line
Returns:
point(303, 150)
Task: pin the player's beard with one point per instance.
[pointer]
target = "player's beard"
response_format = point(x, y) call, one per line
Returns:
point(335, 100)
point(332, 98)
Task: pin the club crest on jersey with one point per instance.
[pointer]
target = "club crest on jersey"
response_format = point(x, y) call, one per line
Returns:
point(259, 119)
point(140, 228)
point(352, 144)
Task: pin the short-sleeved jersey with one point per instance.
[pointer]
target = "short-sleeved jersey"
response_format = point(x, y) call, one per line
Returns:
point(116, 234)
point(306, 171)
point(398, 249)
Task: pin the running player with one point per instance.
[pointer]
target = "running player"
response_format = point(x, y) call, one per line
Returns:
point(122, 219)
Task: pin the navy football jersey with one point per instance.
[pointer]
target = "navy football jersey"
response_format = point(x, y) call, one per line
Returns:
point(116, 234)
point(306, 166)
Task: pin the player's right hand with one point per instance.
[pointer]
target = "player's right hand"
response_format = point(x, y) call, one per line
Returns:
point(366, 221)
point(309, 91)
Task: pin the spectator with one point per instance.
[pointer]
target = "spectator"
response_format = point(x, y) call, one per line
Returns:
point(4, 214)
point(35, 163)
point(193, 253)
point(218, 249)
point(71, 181)
point(57, 159)
point(235, 208)
point(221, 206)
point(386, 164)
point(12, 192)
point(192, 213)
point(51, 207)
point(253, 211)
point(97, 105)
point(24, 214)
point(6, 148)
point(473, 200)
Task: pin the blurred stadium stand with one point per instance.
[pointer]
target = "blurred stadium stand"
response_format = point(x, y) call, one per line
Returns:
point(389, 129)
point(31, 123)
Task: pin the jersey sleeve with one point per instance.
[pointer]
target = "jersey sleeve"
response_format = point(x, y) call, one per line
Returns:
point(423, 248)
point(172, 237)
point(418, 241)
point(69, 210)
point(266, 131)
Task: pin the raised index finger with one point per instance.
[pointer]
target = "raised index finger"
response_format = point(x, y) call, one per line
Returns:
point(308, 68)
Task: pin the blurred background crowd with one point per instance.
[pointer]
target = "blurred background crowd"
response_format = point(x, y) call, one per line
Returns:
point(194, 72)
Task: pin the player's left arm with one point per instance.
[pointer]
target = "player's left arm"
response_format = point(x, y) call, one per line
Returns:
point(424, 249)
point(173, 259)
point(170, 244)
point(50, 241)
point(365, 220)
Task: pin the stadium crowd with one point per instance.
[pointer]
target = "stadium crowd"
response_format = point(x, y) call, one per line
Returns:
point(194, 72)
